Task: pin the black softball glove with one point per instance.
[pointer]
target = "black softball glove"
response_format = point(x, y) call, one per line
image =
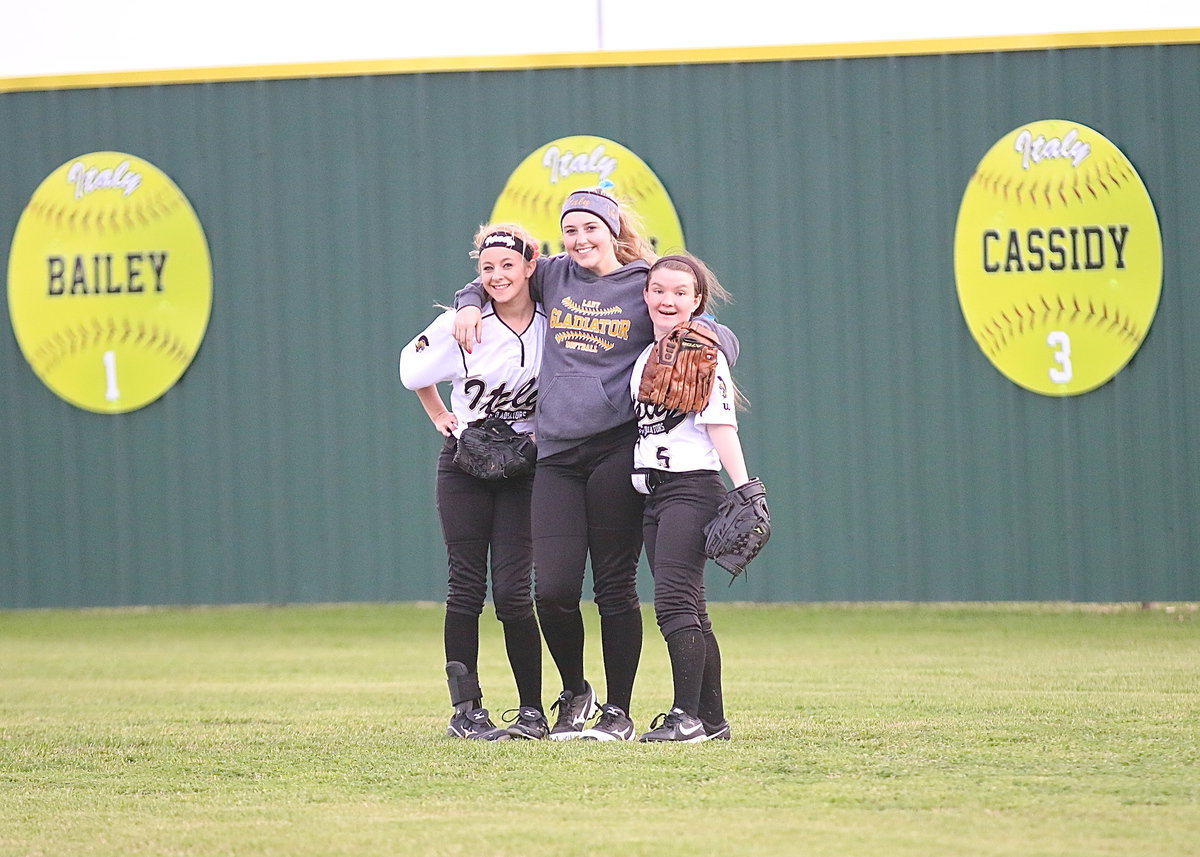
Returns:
point(742, 526)
point(490, 449)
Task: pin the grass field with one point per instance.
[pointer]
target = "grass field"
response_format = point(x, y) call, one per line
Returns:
point(858, 730)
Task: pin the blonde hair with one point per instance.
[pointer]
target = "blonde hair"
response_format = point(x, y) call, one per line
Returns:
point(514, 229)
point(631, 244)
point(487, 229)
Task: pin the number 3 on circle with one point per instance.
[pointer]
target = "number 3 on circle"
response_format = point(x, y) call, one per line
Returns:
point(1060, 374)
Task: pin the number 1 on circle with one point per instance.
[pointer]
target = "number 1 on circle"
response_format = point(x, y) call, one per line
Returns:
point(110, 374)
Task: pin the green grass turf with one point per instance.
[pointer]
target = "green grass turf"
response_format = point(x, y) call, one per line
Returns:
point(858, 730)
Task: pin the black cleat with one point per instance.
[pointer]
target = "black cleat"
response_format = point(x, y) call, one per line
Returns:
point(614, 725)
point(527, 723)
point(675, 725)
point(471, 723)
point(573, 712)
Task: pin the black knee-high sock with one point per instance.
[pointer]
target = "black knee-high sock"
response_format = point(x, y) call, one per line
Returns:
point(621, 642)
point(461, 635)
point(564, 638)
point(523, 643)
point(687, 651)
point(712, 698)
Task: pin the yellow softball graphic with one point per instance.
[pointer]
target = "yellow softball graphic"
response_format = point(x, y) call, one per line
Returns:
point(1058, 258)
point(534, 193)
point(109, 282)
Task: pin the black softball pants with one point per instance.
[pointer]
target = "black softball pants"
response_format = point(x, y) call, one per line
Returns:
point(673, 528)
point(676, 513)
point(585, 508)
point(479, 518)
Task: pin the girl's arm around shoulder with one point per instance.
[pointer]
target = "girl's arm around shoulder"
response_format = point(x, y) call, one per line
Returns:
point(727, 341)
point(469, 300)
point(468, 326)
point(473, 293)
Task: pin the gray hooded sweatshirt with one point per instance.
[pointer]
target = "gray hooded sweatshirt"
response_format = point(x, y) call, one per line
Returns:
point(598, 326)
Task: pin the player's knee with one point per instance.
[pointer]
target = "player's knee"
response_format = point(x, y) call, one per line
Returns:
point(512, 602)
point(670, 622)
point(514, 613)
point(616, 600)
point(550, 609)
point(464, 604)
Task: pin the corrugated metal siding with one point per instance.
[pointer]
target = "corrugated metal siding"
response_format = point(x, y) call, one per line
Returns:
point(288, 465)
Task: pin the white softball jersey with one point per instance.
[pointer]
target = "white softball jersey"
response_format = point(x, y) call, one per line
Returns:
point(499, 377)
point(674, 441)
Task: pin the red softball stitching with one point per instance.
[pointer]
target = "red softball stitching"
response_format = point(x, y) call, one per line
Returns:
point(64, 343)
point(1016, 321)
point(1094, 182)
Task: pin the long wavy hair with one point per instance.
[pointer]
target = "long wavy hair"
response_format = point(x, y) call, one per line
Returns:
point(631, 244)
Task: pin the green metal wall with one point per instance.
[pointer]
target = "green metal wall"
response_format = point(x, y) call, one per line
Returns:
point(289, 465)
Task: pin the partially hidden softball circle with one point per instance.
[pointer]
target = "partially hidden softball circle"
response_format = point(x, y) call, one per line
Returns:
point(1057, 258)
point(534, 193)
point(109, 282)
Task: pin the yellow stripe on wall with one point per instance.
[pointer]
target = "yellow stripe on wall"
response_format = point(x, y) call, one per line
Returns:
point(599, 59)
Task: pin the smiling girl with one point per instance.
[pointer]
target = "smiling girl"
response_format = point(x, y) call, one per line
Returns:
point(497, 379)
point(677, 460)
